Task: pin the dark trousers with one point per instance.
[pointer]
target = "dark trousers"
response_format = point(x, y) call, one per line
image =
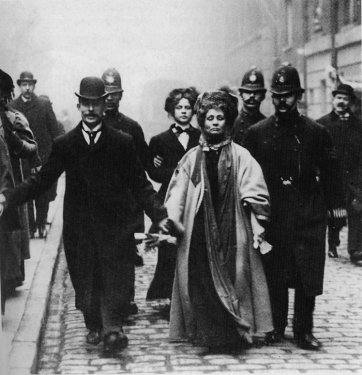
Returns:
point(279, 297)
point(100, 313)
point(41, 207)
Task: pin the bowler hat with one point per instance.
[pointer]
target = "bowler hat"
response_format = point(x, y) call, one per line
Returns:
point(112, 80)
point(26, 77)
point(345, 89)
point(91, 88)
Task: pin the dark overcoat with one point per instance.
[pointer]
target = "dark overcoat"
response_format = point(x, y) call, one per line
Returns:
point(40, 115)
point(167, 145)
point(103, 182)
point(122, 122)
point(347, 138)
point(243, 123)
point(301, 170)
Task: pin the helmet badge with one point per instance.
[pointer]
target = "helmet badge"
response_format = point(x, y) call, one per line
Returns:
point(110, 79)
point(252, 77)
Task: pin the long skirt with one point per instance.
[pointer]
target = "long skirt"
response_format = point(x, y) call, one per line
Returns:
point(214, 326)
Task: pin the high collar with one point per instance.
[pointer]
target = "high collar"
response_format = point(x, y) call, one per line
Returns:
point(95, 129)
point(289, 120)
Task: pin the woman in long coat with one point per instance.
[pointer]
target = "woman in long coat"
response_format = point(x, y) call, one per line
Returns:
point(219, 197)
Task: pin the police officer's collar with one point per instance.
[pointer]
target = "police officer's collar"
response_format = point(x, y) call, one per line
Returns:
point(291, 119)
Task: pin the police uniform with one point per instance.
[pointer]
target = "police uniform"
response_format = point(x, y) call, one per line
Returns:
point(301, 171)
point(253, 81)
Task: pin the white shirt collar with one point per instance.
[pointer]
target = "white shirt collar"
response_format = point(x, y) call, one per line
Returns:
point(96, 128)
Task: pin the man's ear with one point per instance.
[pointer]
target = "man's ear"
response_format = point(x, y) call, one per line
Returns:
point(78, 106)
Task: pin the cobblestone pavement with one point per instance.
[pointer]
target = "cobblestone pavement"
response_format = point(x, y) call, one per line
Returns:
point(338, 325)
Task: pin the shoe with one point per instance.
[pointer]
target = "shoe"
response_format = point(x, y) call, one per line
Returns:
point(132, 308)
point(115, 341)
point(307, 341)
point(42, 231)
point(138, 261)
point(332, 252)
point(356, 256)
point(93, 337)
point(274, 337)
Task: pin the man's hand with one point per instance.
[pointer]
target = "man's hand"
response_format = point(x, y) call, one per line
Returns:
point(1, 208)
point(158, 161)
point(164, 226)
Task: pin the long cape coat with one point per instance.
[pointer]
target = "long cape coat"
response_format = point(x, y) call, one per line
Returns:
point(183, 200)
point(301, 170)
point(102, 184)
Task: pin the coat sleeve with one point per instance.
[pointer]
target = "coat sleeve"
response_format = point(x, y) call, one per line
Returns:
point(253, 188)
point(20, 138)
point(176, 195)
point(52, 124)
point(161, 174)
point(330, 171)
point(40, 182)
point(142, 188)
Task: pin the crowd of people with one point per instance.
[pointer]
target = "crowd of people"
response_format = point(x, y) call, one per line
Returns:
point(248, 198)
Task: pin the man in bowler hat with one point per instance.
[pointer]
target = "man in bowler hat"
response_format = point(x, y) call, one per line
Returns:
point(39, 112)
point(104, 180)
point(346, 132)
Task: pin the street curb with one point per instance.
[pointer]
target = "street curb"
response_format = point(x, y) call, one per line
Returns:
point(24, 352)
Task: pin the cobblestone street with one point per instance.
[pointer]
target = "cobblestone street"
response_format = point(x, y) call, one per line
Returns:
point(337, 324)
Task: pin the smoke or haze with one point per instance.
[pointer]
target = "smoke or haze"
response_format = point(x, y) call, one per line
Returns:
point(156, 45)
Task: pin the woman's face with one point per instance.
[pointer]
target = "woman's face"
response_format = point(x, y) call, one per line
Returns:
point(215, 125)
point(183, 112)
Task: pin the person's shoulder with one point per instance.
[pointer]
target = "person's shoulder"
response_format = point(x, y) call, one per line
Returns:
point(119, 136)
point(128, 120)
point(160, 136)
point(324, 120)
point(241, 151)
point(262, 124)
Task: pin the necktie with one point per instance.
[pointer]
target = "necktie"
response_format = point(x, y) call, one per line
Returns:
point(91, 136)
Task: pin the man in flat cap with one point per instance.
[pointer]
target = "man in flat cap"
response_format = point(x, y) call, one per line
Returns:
point(346, 132)
point(252, 93)
point(39, 112)
point(104, 181)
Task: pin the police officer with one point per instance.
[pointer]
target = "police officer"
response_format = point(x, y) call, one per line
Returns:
point(346, 133)
point(301, 170)
point(252, 92)
point(119, 121)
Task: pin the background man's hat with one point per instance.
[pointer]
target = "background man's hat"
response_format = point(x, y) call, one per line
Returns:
point(112, 80)
point(345, 89)
point(91, 88)
point(253, 80)
point(26, 77)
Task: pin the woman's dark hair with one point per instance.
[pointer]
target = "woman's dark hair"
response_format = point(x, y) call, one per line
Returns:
point(219, 99)
point(189, 93)
point(6, 86)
